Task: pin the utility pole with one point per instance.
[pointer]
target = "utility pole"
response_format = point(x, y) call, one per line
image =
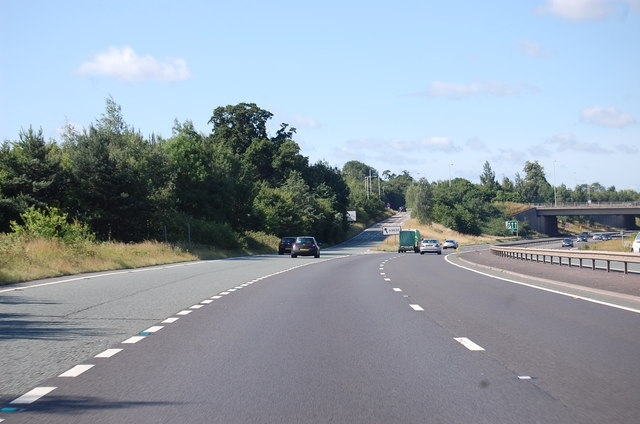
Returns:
point(555, 193)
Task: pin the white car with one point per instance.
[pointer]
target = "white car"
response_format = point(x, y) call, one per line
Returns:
point(636, 244)
point(430, 246)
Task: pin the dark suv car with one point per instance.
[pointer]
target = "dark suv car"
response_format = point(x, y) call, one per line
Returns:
point(305, 246)
point(286, 243)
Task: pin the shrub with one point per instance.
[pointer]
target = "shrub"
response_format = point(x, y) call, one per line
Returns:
point(51, 223)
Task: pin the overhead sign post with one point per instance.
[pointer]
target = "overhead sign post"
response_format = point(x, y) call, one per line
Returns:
point(387, 231)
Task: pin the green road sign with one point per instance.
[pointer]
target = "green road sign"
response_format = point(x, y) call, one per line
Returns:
point(511, 226)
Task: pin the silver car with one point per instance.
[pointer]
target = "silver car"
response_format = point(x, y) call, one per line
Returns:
point(450, 244)
point(430, 246)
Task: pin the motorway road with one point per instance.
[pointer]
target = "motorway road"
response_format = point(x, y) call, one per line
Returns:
point(352, 337)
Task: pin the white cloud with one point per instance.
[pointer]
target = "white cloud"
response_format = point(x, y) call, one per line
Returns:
point(477, 144)
point(125, 64)
point(531, 48)
point(582, 10)
point(606, 117)
point(567, 142)
point(443, 144)
point(457, 90)
point(510, 156)
point(627, 149)
point(397, 153)
point(306, 121)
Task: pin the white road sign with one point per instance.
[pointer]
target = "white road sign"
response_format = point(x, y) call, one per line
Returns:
point(387, 231)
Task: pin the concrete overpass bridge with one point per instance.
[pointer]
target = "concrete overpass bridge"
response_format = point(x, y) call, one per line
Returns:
point(544, 217)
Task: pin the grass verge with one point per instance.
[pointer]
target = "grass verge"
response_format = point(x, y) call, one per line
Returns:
point(37, 258)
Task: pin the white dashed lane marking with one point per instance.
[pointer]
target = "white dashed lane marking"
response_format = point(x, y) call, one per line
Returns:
point(170, 320)
point(154, 329)
point(76, 371)
point(108, 353)
point(397, 289)
point(33, 395)
point(134, 339)
point(416, 307)
point(468, 344)
point(184, 312)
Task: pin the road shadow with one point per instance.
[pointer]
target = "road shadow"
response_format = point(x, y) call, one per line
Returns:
point(72, 406)
point(22, 326)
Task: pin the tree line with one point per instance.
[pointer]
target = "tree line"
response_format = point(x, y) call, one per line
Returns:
point(236, 179)
point(126, 187)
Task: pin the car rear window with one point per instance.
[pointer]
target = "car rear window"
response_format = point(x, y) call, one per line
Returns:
point(304, 240)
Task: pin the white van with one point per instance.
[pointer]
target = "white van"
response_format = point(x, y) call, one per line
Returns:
point(636, 244)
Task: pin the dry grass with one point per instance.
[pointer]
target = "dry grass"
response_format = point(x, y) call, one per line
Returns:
point(615, 245)
point(24, 260)
point(439, 232)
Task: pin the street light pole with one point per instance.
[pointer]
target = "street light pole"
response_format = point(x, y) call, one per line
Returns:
point(555, 193)
point(450, 165)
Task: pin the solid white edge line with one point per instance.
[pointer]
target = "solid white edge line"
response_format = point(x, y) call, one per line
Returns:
point(108, 353)
point(588, 299)
point(468, 344)
point(33, 395)
point(76, 371)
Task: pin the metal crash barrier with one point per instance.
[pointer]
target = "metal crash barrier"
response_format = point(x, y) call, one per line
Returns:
point(569, 258)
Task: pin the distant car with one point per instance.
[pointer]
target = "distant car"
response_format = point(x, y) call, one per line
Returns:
point(285, 245)
point(636, 244)
point(581, 238)
point(567, 242)
point(450, 244)
point(402, 209)
point(606, 237)
point(305, 246)
point(597, 236)
point(430, 246)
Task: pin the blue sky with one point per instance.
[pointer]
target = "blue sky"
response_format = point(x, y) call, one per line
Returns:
point(431, 87)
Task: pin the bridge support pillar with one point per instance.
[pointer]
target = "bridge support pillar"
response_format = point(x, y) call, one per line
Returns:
point(550, 225)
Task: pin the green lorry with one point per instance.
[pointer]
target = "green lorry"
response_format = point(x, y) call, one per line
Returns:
point(409, 241)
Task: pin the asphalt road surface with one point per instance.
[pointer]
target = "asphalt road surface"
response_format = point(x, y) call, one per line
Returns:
point(348, 338)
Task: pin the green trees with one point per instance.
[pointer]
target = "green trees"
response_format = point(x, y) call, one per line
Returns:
point(238, 178)
point(534, 188)
point(30, 175)
point(119, 183)
point(419, 197)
